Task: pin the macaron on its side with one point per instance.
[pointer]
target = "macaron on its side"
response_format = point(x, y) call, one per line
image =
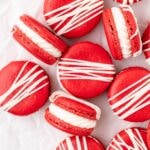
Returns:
point(132, 138)
point(38, 40)
point(133, 30)
point(71, 18)
point(26, 88)
point(129, 94)
point(80, 143)
point(146, 43)
point(71, 114)
point(85, 70)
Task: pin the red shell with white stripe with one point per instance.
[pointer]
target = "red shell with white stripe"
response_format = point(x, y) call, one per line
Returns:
point(129, 139)
point(148, 135)
point(80, 143)
point(38, 40)
point(86, 70)
point(24, 87)
point(72, 115)
point(127, 2)
point(73, 18)
point(146, 44)
point(129, 94)
point(122, 32)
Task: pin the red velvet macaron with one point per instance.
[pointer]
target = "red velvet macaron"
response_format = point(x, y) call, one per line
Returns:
point(80, 143)
point(122, 32)
point(148, 136)
point(129, 94)
point(73, 18)
point(146, 44)
point(72, 115)
point(85, 70)
point(38, 40)
point(129, 139)
point(127, 2)
point(24, 87)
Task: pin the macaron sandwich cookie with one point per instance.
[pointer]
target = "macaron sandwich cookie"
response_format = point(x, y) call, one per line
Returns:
point(85, 70)
point(80, 143)
point(129, 94)
point(38, 40)
point(129, 139)
point(72, 115)
point(146, 44)
point(127, 2)
point(73, 18)
point(24, 87)
point(122, 32)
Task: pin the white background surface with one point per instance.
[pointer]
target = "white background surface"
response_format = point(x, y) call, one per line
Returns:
point(33, 132)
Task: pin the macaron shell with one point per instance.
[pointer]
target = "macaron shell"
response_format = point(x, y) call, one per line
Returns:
point(132, 27)
point(83, 29)
point(84, 143)
point(76, 107)
point(30, 103)
point(111, 34)
point(146, 37)
point(122, 81)
point(88, 52)
point(125, 136)
point(66, 127)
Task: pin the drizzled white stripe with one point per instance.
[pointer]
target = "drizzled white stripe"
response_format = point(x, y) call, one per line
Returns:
point(132, 98)
point(58, 94)
point(135, 137)
point(37, 39)
point(73, 69)
point(23, 82)
point(79, 12)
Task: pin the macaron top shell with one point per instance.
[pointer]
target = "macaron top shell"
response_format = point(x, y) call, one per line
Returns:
point(129, 94)
point(129, 139)
point(85, 70)
point(73, 18)
point(80, 143)
point(26, 88)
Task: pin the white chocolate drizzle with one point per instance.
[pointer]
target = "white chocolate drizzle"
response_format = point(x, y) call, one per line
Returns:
point(131, 101)
point(79, 12)
point(74, 69)
point(23, 85)
point(59, 94)
point(135, 137)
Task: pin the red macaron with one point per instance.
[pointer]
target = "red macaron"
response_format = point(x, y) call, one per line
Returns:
point(80, 143)
point(122, 32)
point(24, 87)
point(129, 94)
point(148, 136)
point(72, 115)
point(38, 40)
point(73, 18)
point(146, 44)
point(127, 2)
point(85, 70)
point(129, 139)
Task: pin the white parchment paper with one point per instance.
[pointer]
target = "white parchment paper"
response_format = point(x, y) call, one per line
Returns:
point(33, 132)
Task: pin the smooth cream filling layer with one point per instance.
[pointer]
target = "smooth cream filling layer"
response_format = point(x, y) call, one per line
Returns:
point(71, 118)
point(122, 32)
point(37, 39)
